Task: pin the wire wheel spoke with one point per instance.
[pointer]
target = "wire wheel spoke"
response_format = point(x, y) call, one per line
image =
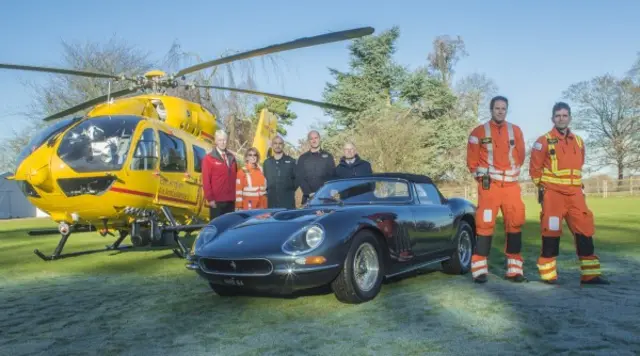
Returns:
point(366, 267)
point(464, 248)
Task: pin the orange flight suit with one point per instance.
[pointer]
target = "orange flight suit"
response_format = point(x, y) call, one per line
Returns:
point(556, 167)
point(498, 151)
point(251, 189)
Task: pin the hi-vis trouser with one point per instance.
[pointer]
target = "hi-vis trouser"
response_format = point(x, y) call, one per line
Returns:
point(504, 194)
point(572, 207)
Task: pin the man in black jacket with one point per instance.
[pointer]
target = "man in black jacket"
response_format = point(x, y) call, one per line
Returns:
point(351, 165)
point(314, 167)
point(279, 171)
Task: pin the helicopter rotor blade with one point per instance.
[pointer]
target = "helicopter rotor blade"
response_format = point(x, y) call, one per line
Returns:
point(282, 97)
point(299, 43)
point(89, 103)
point(61, 71)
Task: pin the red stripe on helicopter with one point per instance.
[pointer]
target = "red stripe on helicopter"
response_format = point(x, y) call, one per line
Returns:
point(150, 195)
point(206, 135)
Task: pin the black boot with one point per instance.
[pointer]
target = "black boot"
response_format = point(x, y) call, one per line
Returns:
point(516, 279)
point(597, 280)
point(481, 279)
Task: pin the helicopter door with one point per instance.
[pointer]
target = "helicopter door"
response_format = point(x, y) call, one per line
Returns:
point(144, 162)
point(174, 189)
point(199, 154)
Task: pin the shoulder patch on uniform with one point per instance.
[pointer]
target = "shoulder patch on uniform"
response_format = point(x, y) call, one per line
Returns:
point(473, 139)
point(537, 146)
point(552, 141)
point(486, 140)
point(325, 155)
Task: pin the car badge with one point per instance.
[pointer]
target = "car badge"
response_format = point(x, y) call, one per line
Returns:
point(233, 265)
point(240, 242)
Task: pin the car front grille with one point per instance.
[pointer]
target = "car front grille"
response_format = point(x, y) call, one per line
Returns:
point(239, 267)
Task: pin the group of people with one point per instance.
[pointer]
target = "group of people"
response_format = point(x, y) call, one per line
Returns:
point(272, 185)
point(495, 155)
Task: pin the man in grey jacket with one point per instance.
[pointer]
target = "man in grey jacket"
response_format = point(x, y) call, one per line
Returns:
point(279, 171)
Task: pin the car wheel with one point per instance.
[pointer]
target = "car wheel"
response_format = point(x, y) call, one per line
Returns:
point(361, 277)
point(224, 291)
point(460, 262)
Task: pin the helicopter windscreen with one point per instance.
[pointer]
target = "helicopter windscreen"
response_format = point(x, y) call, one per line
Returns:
point(43, 135)
point(99, 144)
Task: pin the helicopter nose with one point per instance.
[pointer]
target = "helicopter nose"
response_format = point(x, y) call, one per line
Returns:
point(40, 177)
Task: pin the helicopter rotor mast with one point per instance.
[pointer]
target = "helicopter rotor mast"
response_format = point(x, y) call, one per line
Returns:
point(156, 79)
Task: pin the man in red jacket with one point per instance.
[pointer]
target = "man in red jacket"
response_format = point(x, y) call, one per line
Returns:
point(219, 174)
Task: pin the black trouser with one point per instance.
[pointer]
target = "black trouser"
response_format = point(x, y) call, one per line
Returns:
point(222, 207)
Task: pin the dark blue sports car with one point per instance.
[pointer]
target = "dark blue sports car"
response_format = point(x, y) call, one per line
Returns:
point(353, 233)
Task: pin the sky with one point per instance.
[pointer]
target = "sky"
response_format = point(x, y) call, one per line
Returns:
point(533, 50)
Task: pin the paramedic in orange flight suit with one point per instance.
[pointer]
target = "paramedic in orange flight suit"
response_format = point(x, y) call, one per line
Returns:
point(495, 153)
point(556, 168)
point(251, 185)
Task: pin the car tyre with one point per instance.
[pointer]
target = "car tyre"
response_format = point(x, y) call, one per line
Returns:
point(460, 261)
point(363, 258)
point(224, 291)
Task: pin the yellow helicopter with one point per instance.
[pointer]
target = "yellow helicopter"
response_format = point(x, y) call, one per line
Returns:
point(133, 165)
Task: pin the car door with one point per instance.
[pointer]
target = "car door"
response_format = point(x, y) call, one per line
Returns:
point(433, 221)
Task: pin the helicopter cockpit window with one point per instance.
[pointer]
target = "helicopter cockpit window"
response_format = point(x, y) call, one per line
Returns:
point(145, 156)
point(98, 144)
point(173, 155)
point(43, 135)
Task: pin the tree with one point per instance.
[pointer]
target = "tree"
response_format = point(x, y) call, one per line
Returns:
point(446, 53)
point(235, 110)
point(64, 91)
point(608, 110)
point(280, 108)
point(414, 113)
point(373, 77)
point(116, 56)
point(474, 93)
point(634, 72)
point(425, 95)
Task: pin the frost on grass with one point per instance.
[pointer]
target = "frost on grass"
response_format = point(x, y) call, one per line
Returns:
point(429, 313)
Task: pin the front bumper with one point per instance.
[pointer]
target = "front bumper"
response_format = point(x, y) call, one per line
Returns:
point(285, 276)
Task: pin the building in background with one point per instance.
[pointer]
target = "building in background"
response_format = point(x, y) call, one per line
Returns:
point(13, 204)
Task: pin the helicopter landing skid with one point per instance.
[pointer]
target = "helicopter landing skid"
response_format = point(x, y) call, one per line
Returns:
point(57, 253)
point(182, 251)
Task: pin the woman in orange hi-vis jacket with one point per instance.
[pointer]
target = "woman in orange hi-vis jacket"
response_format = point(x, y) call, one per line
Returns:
point(495, 153)
point(251, 184)
point(556, 168)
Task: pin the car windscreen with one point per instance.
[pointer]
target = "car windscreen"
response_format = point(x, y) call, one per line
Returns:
point(362, 191)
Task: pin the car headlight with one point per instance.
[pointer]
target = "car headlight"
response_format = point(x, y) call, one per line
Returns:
point(304, 240)
point(204, 237)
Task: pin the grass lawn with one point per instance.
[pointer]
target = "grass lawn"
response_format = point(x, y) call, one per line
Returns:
point(146, 302)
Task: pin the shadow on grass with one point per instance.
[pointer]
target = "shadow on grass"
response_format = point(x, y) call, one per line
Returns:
point(567, 316)
point(153, 306)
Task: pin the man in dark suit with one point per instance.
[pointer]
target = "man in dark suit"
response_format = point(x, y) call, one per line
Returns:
point(314, 167)
point(279, 170)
